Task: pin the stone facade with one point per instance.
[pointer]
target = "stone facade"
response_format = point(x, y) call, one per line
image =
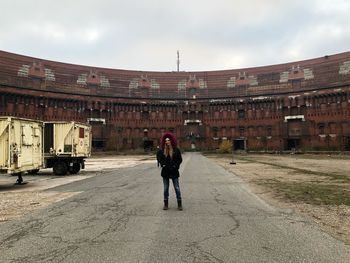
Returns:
point(302, 105)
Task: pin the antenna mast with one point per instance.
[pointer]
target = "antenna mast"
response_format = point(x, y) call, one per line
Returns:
point(178, 61)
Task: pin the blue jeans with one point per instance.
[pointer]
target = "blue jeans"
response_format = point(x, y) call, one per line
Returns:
point(176, 187)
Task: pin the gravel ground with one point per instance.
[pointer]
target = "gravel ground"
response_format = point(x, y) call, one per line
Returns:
point(254, 169)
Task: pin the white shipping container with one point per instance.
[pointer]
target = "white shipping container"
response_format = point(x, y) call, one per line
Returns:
point(67, 139)
point(21, 145)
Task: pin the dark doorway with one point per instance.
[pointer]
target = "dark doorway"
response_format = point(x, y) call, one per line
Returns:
point(98, 144)
point(148, 145)
point(347, 143)
point(239, 144)
point(48, 140)
point(293, 144)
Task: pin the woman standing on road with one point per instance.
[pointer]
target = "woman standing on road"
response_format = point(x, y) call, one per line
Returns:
point(169, 157)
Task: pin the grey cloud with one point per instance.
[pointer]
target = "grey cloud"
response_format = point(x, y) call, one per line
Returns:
point(146, 34)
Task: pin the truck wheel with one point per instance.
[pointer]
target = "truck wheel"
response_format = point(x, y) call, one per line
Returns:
point(60, 168)
point(75, 168)
point(34, 171)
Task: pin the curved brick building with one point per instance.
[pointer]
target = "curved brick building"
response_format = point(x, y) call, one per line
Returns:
point(303, 105)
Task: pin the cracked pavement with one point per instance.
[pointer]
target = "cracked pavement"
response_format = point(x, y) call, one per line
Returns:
point(117, 216)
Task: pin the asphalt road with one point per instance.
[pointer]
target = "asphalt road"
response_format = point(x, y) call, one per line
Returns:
point(117, 217)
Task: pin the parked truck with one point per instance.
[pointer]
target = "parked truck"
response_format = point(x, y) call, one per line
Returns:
point(30, 145)
point(66, 145)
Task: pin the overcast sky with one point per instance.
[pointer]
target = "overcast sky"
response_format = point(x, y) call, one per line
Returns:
point(145, 35)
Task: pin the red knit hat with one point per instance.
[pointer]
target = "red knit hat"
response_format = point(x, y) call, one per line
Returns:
point(171, 137)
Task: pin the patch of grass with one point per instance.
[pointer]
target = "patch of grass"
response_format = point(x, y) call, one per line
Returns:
point(333, 176)
point(324, 156)
point(317, 194)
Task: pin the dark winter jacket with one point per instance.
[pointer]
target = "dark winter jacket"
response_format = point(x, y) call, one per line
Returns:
point(170, 166)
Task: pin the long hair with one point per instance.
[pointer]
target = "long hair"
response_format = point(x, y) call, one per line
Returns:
point(169, 151)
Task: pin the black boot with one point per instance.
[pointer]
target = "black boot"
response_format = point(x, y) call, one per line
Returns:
point(166, 205)
point(179, 205)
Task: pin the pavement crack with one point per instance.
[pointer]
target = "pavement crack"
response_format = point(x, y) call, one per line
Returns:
point(31, 226)
point(55, 255)
point(217, 199)
point(235, 220)
point(198, 254)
